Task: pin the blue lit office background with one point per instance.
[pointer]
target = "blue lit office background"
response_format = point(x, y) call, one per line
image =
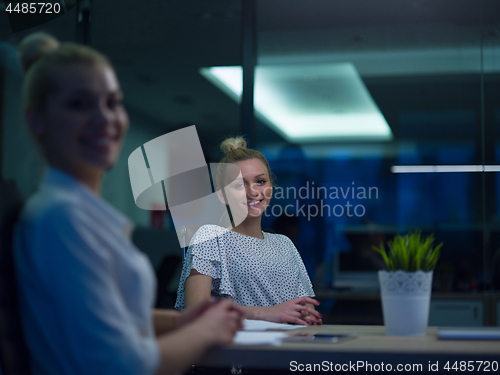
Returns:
point(412, 84)
point(432, 70)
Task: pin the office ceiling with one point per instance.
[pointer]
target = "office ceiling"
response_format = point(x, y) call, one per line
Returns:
point(158, 46)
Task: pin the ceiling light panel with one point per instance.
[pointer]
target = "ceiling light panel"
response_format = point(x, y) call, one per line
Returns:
point(309, 103)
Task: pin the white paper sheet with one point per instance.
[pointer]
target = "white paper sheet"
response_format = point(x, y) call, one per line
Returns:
point(259, 338)
point(261, 325)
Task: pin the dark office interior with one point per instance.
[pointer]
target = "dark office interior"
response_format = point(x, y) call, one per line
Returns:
point(431, 68)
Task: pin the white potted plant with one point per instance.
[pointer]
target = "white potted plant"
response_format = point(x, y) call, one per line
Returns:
point(406, 285)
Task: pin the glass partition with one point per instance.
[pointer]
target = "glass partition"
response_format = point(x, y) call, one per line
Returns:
point(431, 68)
point(400, 102)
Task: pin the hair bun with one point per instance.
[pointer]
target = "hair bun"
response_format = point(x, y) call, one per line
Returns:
point(35, 46)
point(231, 144)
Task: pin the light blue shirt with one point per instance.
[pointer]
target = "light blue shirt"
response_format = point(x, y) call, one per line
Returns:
point(86, 292)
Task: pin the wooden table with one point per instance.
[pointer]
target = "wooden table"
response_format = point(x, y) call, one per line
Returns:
point(371, 348)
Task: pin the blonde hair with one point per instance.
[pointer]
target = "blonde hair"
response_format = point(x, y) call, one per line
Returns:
point(41, 56)
point(236, 150)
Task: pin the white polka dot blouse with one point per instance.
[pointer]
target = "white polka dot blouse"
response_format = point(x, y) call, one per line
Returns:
point(252, 271)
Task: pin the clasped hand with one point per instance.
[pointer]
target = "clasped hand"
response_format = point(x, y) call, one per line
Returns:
point(220, 319)
point(297, 311)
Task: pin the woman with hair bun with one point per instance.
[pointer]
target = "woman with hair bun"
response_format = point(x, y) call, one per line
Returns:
point(86, 292)
point(262, 272)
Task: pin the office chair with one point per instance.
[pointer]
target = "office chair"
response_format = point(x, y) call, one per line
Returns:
point(164, 275)
point(14, 357)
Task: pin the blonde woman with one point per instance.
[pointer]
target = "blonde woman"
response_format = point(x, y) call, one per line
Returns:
point(262, 272)
point(85, 291)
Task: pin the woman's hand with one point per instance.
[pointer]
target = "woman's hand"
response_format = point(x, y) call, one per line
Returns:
point(189, 316)
point(297, 311)
point(215, 323)
point(219, 321)
point(312, 319)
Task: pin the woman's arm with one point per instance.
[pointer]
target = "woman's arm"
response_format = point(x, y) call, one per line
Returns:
point(297, 311)
point(197, 289)
point(216, 326)
point(165, 320)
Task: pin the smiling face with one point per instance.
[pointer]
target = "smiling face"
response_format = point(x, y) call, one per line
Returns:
point(83, 123)
point(252, 192)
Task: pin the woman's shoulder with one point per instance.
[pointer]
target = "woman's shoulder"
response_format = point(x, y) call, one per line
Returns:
point(59, 211)
point(282, 241)
point(281, 238)
point(47, 208)
point(45, 225)
point(211, 228)
point(208, 232)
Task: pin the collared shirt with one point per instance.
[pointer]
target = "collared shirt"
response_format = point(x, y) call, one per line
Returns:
point(86, 292)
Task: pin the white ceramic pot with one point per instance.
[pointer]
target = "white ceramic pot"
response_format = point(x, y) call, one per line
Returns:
point(405, 301)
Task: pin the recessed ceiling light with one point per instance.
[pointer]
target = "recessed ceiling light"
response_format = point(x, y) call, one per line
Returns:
point(309, 103)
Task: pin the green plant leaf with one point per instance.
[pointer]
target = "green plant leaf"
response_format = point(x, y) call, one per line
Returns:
point(410, 252)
